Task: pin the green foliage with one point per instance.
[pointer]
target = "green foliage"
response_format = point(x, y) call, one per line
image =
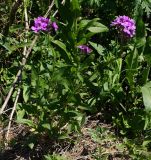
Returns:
point(146, 91)
point(60, 85)
point(55, 157)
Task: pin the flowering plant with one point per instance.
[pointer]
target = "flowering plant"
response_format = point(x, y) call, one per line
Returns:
point(56, 81)
point(43, 24)
point(125, 25)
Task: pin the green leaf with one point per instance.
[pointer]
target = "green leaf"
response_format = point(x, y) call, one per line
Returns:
point(97, 47)
point(146, 91)
point(26, 91)
point(26, 121)
point(93, 77)
point(46, 126)
point(131, 67)
point(93, 26)
point(34, 77)
point(56, 3)
point(145, 74)
point(65, 54)
point(140, 42)
point(20, 114)
point(146, 5)
point(146, 142)
point(85, 24)
point(140, 29)
point(80, 77)
point(98, 28)
point(31, 145)
point(75, 6)
point(147, 50)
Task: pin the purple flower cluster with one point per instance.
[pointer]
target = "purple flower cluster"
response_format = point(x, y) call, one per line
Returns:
point(43, 24)
point(40, 24)
point(125, 25)
point(85, 49)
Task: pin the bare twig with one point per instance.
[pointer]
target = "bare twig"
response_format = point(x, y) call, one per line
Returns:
point(12, 113)
point(26, 29)
point(26, 17)
point(23, 64)
point(49, 9)
point(7, 110)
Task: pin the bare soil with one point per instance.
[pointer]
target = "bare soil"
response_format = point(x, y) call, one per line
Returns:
point(96, 141)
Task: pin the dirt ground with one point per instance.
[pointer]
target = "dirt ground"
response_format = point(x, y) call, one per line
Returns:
point(97, 141)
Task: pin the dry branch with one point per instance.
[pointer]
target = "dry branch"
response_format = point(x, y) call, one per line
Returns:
point(12, 113)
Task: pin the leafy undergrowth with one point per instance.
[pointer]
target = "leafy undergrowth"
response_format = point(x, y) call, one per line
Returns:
point(64, 61)
point(97, 141)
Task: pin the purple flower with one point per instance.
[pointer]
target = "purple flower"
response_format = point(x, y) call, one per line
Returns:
point(85, 49)
point(125, 25)
point(54, 26)
point(41, 24)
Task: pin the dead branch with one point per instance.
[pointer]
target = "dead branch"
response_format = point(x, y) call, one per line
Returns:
point(12, 113)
